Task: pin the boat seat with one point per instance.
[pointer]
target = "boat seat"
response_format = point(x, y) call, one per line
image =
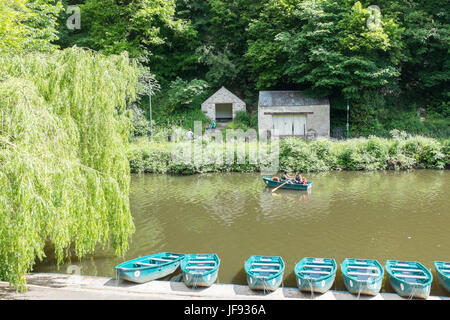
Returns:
point(402, 265)
point(313, 271)
point(318, 260)
point(363, 274)
point(410, 270)
point(361, 267)
point(399, 275)
point(265, 270)
point(159, 259)
point(145, 264)
point(204, 261)
point(317, 266)
point(266, 259)
point(205, 267)
point(265, 264)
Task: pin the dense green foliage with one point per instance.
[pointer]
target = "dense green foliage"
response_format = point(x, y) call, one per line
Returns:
point(112, 26)
point(64, 177)
point(28, 25)
point(399, 153)
point(391, 65)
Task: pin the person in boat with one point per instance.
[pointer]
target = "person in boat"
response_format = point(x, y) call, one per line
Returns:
point(304, 181)
point(298, 178)
point(285, 176)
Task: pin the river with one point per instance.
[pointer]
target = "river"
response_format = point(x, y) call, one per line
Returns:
point(374, 215)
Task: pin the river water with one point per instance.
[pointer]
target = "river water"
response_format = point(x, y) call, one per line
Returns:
point(374, 215)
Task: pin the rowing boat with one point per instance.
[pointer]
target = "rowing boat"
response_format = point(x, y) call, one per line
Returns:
point(264, 273)
point(273, 183)
point(409, 278)
point(315, 274)
point(443, 273)
point(149, 268)
point(362, 276)
point(200, 270)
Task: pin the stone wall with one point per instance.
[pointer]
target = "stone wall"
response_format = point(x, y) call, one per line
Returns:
point(222, 96)
point(317, 122)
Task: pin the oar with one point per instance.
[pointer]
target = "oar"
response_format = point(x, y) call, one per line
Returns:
point(280, 186)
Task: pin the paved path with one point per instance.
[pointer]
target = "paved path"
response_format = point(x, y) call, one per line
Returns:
point(46, 286)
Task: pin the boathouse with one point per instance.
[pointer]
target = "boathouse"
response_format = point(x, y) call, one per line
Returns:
point(223, 105)
point(293, 114)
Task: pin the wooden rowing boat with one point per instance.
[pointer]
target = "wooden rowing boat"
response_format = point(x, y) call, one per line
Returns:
point(315, 274)
point(149, 268)
point(409, 278)
point(292, 186)
point(362, 276)
point(264, 273)
point(443, 273)
point(200, 270)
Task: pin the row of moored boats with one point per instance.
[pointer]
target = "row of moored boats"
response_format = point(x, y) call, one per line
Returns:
point(361, 276)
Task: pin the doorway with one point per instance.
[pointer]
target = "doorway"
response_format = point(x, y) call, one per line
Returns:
point(224, 112)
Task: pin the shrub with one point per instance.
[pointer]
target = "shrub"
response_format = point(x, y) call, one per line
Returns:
point(374, 153)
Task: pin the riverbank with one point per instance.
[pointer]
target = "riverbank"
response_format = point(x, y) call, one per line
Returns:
point(52, 286)
point(293, 154)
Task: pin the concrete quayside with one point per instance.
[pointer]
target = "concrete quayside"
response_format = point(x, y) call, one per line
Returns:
point(52, 286)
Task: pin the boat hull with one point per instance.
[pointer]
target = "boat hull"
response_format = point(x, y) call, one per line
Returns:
point(359, 280)
point(194, 280)
point(406, 288)
point(358, 287)
point(443, 273)
point(311, 282)
point(142, 277)
point(309, 285)
point(291, 186)
point(129, 271)
point(194, 275)
point(409, 290)
point(256, 283)
point(267, 281)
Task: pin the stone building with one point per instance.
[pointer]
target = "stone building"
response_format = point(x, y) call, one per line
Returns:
point(223, 105)
point(293, 114)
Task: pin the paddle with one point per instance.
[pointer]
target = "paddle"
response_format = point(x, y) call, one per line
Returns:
point(280, 186)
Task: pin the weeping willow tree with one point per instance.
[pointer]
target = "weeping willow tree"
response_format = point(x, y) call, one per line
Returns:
point(64, 175)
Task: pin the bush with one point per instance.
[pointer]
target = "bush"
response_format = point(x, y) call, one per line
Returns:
point(374, 153)
point(246, 120)
point(141, 126)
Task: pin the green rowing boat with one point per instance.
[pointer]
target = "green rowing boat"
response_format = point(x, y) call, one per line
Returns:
point(274, 182)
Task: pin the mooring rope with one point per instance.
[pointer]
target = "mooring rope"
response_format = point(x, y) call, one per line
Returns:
point(311, 287)
point(413, 291)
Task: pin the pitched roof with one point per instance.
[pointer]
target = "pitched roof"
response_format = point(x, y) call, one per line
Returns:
point(223, 95)
point(287, 98)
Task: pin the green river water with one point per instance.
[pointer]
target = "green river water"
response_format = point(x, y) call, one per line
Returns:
point(374, 215)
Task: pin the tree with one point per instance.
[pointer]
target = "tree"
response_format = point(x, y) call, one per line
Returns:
point(113, 26)
point(265, 56)
point(334, 51)
point(64, 177)
point(28, 25)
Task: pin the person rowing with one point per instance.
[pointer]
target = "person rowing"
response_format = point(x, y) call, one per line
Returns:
point(286, 176)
